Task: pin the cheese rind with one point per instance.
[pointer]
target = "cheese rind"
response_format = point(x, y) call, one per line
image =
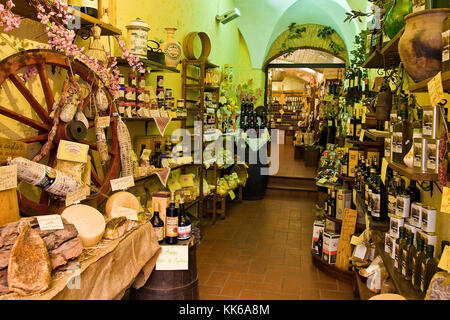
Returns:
point(121, 199)
point(88, 221)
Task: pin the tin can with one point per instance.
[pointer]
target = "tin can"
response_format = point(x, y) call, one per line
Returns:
point(140, 95)
point(432, 158)
point(403, 206)
point(159, 81)
point(420, 154)
point(416, 214)
point(132, 80)
point(430, 122)
point(130, 94)
point(394, 226)
point(429, 219)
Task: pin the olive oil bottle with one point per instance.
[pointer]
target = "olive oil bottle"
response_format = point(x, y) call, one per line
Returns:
point(428, 268)
point(400, 244)
point(406, 259)
point(417, 262)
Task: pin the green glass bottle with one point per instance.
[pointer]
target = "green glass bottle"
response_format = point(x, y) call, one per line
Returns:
point(436, 4)
point(428, 268)
point(417, 262)
point(395, 18)
point(406, 254)
point(400, 244)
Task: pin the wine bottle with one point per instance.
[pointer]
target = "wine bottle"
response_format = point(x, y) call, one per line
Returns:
point(333, 202)
point(76, 4)
point(403, 248)
point(89, 7)
point(158, 224)
point(417, 262)
point(413, 192)
point(328, 203)
point(427, 269)
point(171, 222)
point(407, 257)
point(398, 250)
point(184, 224)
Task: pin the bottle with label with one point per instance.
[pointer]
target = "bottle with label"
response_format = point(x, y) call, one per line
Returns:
point(413, 191)
point(76, 4)
point(403, 248)
point(392, 196)
point(398, 251)
point(427, 269)
point(89, 7)
point(158, 224)
point(328, 203)
point(171, 222)
point(369, 190)
point(407, 257)
point(184, 224)
point(446, 46)
point(333, 202)
point(379, 201)
point(418, 258)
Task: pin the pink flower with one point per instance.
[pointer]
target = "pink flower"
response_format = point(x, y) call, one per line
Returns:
point(10, 4)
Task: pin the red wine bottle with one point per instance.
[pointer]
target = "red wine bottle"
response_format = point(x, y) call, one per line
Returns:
point(184, 224)
point(172, 222)
point(158, 224)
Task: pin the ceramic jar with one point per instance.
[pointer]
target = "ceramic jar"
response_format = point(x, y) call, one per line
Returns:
point(138, 37)
point(171, 49)
point(420, 46)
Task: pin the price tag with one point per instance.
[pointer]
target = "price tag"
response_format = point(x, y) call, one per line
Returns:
point(146, 154)
point(72, 151)
point(360, 251)
point(128, 111)
point(186, 180)
point(445, 202)
point(173, 258)
point(435, 89)
point(172, 114)
point(76, 196)
point(147, 113)
point(165, 163)
point(154, 113)
point(8, 177)
point(103, 122)
point(174, 185)
point(118, 211)
point(12, 148)
point(122, 183)
point(163, 114)
point(384, 166)
point(361, 136)
point(356, 240)
point(354, 196)
point(50, 222)
point(232, 195)
point(281, 111)
point(444, 263)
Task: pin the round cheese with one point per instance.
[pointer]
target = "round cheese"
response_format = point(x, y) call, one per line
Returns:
point(121, 199)
point(88, 221)
point(388, 296)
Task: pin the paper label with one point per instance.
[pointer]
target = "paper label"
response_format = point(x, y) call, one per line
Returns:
point(360, 251)
point(445, 202)
point(361, 137)
point(128, 111)
point(172, 114)
point(435, 89)
point(146, 154)
point(76, 196)
point(356, 240)
point(8, 177)
point(384, 166)
point(103, 122)
point(173, 258)
point(173, 185)
point(232, 195)
point(163, 114)
point(118, 211)
point(154, 113)
point(122, 183)
point(444, 263)
point(12, 148)
point(72, 151)
point(186, 180)
point(50, 222)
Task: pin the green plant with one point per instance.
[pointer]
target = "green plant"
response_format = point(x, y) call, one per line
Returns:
point(326, 33)
point(355, 14)
point(295, 32)
point(359, 53)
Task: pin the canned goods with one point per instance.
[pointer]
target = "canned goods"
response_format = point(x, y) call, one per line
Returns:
point(121, 80)
point(142, 81)
point(180, 103)
point(140, 95)
point(416, 214)
point(403, 205)
point(429, 219)
point(160, 81)
point(130, 94)
point(132, 79)
point(394, 226)
point(168, 93)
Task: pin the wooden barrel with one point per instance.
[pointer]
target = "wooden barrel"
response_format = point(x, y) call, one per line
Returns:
point(171, 284)
point(188, 46)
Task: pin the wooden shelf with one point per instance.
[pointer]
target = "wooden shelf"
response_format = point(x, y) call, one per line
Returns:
point(346, 178)
point(382, 226)
point(423, 85)
point(24, 9)
point(331, 269)
point(172, 168)
point(388, 54)
point(375, 135)
point(153, 65)
point(148, 119)
point(199, 86)
point(412, 174)
point(403, 286)
point(359, 227)
point(363, 292)
point(370, 144)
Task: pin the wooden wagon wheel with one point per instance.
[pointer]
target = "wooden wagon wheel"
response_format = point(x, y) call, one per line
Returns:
point(40, 59)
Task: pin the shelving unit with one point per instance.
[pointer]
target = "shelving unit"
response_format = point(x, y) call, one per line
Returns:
point(153, 65)
point(387, 57)
point(196, 107)
point(423, 85)
point(24, 9)
point(359, 227)
point(412, 174)
point(382, 226)
point(331, 269)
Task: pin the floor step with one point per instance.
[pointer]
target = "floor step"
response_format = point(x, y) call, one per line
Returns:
point(291, 188)
point(292, 183)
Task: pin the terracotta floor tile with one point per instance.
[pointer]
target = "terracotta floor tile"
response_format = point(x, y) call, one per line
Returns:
point(249, 295)
point(310, 294)
point(208, 289)
point(232, 288)
point(218, 278)
point(336, 295)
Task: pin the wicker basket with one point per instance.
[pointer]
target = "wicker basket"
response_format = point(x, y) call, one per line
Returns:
point(242, 173)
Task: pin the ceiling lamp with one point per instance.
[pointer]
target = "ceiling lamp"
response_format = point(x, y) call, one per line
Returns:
point(228, 16)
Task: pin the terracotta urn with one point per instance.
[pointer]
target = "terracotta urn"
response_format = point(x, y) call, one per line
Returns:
point(420, 46)
point(171, 49)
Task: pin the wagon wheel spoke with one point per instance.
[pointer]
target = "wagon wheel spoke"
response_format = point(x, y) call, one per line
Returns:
point(41, 112)
point(93, 146)
point(48, 93)
point(39, 138)
point(25, 120)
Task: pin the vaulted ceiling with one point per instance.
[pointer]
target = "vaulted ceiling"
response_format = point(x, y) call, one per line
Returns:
point(262, 21)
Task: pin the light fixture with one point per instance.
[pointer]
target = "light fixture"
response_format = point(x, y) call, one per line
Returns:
point(228, 16)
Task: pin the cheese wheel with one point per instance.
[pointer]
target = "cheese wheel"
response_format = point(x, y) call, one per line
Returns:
point(88, 221)
point(121, 199)
point(388, 296)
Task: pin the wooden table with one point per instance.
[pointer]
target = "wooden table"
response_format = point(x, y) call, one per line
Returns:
point(106, 271)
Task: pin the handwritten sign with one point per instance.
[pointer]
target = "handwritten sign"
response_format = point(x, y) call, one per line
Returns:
point(444, 263)
point(76, 196)
point(50, 222)
point(186, 180)
point(72, 151)
point(384, 166)
point(103, 122)
point(232, 195)
point(8, 177)
point(173, 258)
point(122, 183)
point(435, 89)
point(12, 148)
point(445, 202)
point(118, 211)
point(347, 230)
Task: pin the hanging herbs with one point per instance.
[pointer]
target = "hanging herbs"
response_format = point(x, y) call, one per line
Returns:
point(295, 32)
point(359, 53)
point(355, 14)
point(326, 33)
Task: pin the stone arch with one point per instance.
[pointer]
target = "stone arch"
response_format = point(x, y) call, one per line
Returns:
point(309, 40)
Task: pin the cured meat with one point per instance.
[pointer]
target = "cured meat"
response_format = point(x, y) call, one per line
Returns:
point(115, 228)
point(3, 282)
point(29, 269)
point(67, 251)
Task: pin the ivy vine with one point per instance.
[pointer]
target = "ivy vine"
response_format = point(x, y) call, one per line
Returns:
point(326, 33)
point(295, 32)
point(359, 53)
